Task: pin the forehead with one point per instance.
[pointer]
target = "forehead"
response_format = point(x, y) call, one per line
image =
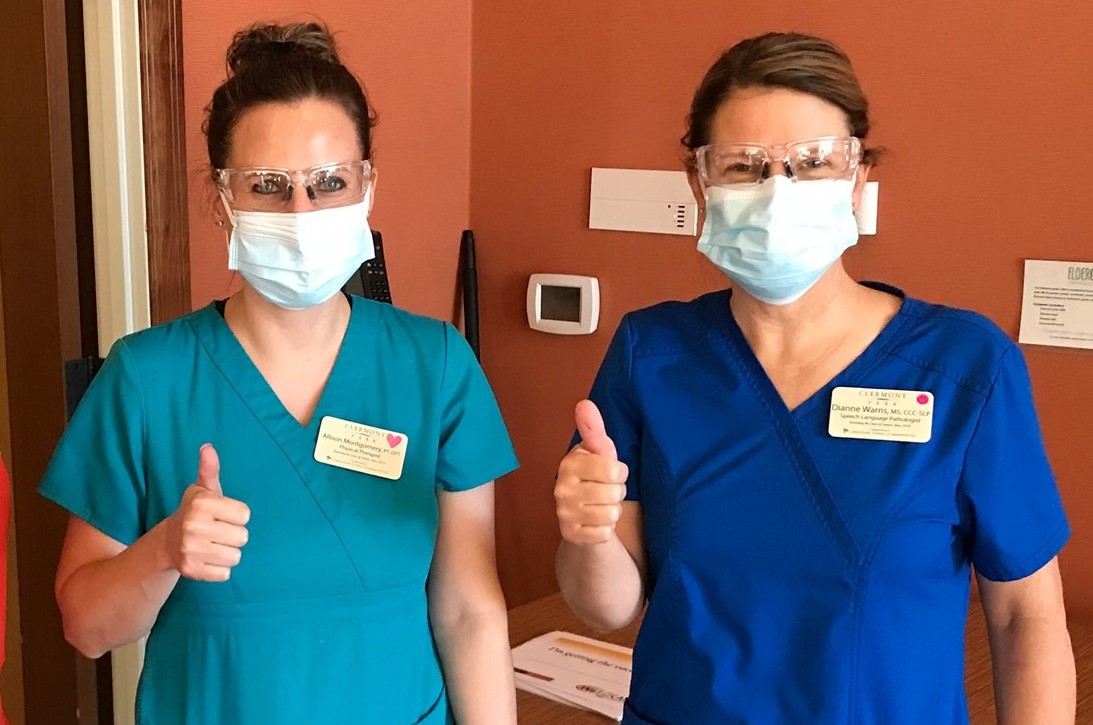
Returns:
point(775, 116)
point(294, 135)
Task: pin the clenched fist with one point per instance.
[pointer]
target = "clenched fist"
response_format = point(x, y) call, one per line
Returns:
point(591, 482)
point(206, 533)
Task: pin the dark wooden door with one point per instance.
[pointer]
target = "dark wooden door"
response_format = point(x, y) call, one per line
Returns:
point(47, 266)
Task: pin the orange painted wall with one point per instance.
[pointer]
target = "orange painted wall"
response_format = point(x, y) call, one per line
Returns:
point(414, 59)
point(986, 113)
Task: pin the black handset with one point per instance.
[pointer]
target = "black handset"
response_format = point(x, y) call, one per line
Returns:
point(468, 274)
point(371, 279)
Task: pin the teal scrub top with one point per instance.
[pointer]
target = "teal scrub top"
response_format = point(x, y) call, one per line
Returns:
point(325, 619)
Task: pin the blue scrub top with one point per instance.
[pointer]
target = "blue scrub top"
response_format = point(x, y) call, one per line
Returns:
point(795, 577)
point(325, 619)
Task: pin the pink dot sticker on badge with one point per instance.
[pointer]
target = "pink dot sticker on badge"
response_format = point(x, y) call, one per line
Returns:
point(923, 398)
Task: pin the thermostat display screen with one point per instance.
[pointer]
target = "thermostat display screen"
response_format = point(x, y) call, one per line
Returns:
point(561, 303)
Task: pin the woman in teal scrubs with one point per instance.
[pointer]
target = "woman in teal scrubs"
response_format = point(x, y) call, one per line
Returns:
point(290, 493)
point(799, 474)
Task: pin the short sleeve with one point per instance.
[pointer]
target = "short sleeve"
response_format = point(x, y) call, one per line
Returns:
point(1017, 523)
point(611, 392)
point(97, 471)
point(474, 445)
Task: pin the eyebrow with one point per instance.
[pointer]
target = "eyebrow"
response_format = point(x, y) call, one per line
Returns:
point(244, 167)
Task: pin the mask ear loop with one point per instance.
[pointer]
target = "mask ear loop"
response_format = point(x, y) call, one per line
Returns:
point(227, 206)
point(853, 185)
point(231, 219)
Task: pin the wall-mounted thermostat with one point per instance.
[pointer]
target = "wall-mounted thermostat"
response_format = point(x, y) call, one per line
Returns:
point(563, 304)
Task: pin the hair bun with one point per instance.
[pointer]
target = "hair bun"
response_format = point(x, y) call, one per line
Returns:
point(264, 41)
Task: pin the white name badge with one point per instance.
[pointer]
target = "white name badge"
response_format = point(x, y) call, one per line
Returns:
point(361, 448)
point(876, 414)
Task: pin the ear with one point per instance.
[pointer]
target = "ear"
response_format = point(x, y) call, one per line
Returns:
point(699, 195)
point(860, 177)
point(696, 189)
point(372, 191)
point(222, 214)
point(219, 217)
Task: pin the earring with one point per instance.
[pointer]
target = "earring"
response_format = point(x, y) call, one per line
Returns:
point(220, 223)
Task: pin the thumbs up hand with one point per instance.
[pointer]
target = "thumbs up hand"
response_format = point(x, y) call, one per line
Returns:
point(207, 531)
point(591, 482)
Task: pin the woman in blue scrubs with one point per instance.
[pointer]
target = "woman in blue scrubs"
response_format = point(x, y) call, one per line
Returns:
point(290, 492)
point(799, 474)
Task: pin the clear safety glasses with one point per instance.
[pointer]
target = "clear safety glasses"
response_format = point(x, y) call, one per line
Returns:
point(830, 157)
point(268, 189)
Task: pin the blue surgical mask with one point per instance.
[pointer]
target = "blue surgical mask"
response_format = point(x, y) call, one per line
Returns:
point(776, 239)
point(298, 260)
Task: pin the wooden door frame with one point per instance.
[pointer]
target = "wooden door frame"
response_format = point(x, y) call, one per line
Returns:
point(162, 148)
point(165, 180)
point(46, 261)
point(41, 307)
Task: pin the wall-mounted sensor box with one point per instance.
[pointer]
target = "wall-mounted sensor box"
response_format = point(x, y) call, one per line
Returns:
point(563, 304)
point(635, 200)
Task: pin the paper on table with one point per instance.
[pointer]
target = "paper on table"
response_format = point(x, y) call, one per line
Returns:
point(1057, 304)
point(575, 670)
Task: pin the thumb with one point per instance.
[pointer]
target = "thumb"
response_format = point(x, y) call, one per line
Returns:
point(591, 429)
point(208, 470)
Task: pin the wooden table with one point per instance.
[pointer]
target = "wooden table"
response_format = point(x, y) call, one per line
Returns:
point(550, 613)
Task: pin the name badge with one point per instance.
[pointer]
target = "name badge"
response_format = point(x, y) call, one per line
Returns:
point(361, 448)
point(876, 414)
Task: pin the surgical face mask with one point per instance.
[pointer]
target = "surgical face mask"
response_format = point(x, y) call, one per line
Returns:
point(776, 239)
point(298, 260)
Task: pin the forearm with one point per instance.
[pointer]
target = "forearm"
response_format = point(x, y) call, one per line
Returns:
point(600, 583)
point(477, 662)
point(115, 601)
point(1034, 680)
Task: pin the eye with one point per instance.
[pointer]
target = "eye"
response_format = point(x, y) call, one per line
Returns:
point(268, 185)
point(740, 167)
point(330, 184)
point(815, 162)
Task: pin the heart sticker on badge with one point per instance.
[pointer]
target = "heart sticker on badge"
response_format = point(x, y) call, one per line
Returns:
point(393, 440)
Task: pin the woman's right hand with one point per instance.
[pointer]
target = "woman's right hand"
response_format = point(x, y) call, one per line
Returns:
point(591, 483)
point(205, 535)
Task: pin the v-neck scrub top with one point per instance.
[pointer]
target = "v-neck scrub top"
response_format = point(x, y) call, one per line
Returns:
point(795, 577)
point(325, 619)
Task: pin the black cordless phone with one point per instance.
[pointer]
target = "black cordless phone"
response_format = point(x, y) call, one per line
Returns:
point(370, 281)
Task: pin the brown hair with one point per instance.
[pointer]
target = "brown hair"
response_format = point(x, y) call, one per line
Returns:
point(282, 64)
point(798, 62)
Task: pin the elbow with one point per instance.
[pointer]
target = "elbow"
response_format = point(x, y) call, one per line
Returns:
point(468, 619)
point(603, 621)
point(81, 636)
point(468, 616)
point(607, 595)
point(601, 616)
point(605, 625)
point(78, 630)
point(91, 653)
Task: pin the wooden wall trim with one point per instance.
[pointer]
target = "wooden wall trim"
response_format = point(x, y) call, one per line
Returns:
point(165, 182)
point(38, 261)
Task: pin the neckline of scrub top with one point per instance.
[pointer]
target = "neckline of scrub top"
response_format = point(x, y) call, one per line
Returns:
point(221, 305)
point(872, 354)
point(231, 359)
